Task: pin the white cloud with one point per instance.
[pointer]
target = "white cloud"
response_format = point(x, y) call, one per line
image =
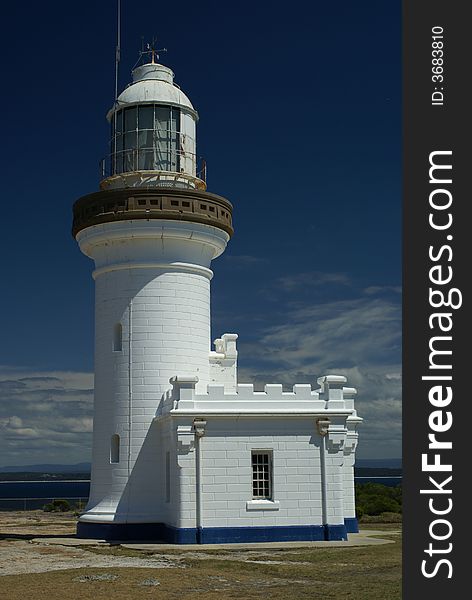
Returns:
point(342, 333)
point(359, 338)
point(291, 282)
point(45, 416)
point(244, 260)
point(15, 422)
point(381, 289)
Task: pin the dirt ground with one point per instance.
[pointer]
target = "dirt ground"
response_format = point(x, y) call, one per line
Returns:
point(40, 559)
point(37, 542)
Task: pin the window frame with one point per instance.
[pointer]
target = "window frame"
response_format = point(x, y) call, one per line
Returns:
point(269, 497)
point(118, 337)
point(115, 448)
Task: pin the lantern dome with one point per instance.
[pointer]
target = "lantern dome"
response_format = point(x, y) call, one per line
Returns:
point(153, 137)
point(152, 82)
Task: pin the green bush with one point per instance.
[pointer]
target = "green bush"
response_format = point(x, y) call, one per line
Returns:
point(386, 517)
point(376, 505)
point(359, 512)
point(57, 506)
point(375, 499)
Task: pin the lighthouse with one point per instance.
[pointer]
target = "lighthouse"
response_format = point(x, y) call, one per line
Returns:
point(182, 451)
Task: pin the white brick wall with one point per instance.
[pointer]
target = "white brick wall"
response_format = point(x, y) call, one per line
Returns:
point(226, 473)
point(154, 279)
point(223, 362)
point(243, 420)
point(349, 491)
point(348, 468)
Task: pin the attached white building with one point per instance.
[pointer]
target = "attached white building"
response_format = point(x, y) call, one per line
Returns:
point(182, 452)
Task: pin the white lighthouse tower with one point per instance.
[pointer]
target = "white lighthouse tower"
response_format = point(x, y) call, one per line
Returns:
point(152, 232)
point(181, 451)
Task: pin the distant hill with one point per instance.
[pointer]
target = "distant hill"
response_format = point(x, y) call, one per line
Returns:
point(77, 468)
point(375, 463)
point(379, 463)
point(46, 477)
point(376, 472)
point(371, 463)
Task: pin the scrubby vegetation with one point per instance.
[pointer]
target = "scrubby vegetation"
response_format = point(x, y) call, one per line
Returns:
point(57, 506)
point(380, 501)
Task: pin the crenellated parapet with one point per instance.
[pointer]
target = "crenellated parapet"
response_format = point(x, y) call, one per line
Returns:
point(224, 362)
point(327, 400)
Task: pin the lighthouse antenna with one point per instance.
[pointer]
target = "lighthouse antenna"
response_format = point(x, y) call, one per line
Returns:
point(118, 46)
point(117, 61)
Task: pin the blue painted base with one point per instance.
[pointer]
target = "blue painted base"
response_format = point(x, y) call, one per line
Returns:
point(352, 526)
point(160, 532)
point(146, 532)
point(335, 532)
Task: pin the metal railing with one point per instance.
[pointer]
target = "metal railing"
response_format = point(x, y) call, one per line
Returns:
point(172, 161)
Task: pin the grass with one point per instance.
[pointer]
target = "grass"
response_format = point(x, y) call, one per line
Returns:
point(380, 526)
point(354, 573)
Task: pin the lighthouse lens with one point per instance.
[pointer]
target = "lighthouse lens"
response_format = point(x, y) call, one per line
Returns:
point(146, 138)
point(145, 117)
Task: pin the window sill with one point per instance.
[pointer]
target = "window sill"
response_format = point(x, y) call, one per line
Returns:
point(262, 505)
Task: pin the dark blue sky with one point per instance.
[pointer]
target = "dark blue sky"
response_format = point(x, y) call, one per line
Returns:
point(299, 108)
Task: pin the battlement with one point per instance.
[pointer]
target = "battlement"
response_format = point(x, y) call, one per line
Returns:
point(224, 362)
point(332, 397)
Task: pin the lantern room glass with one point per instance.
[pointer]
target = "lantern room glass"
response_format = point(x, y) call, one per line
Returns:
point(146, 138)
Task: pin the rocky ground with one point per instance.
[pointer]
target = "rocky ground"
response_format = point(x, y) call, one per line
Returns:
point(40, 556)
point(36, 542)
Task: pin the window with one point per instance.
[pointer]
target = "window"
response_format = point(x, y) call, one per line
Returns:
point(147, 137)
point(130, 119)
point(261, 474)
point(145, 117)
point(115, 448)
point(118, 338)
